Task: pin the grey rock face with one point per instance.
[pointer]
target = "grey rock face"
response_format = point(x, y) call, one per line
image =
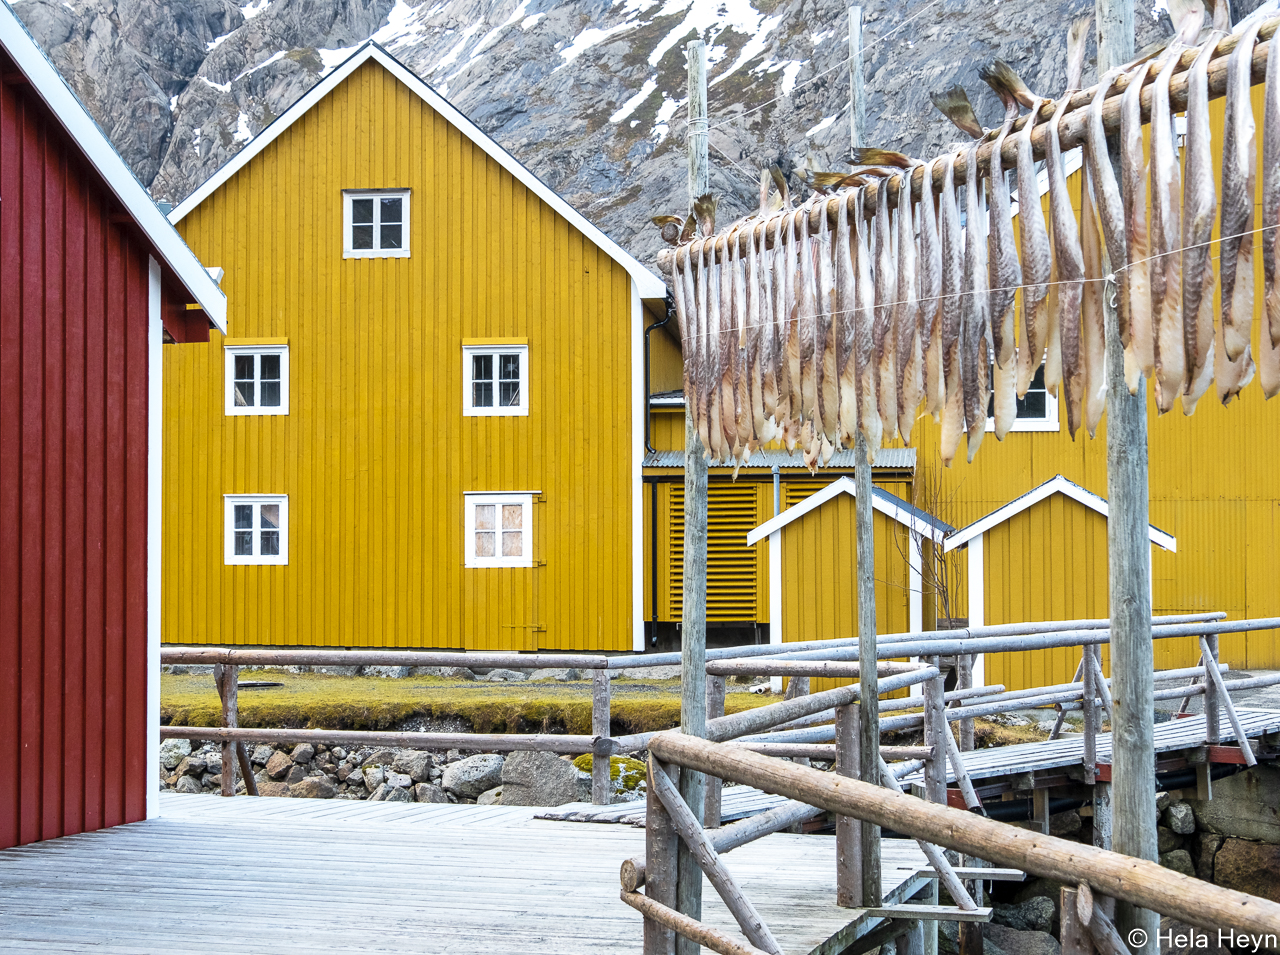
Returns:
point(588, 95)
point(1035, 914)
point(1179, 860)
point(1022, 942)
point(474, 775)
point(542, 779)
point(261, 754)
point(426, 792)
point(188, 784)
point(174, 751)
point(491, 798)
point(417, 766)
point(1180, 819)
point(1246, 805)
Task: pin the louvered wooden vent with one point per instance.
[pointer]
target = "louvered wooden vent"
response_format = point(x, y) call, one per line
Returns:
point(732, 567)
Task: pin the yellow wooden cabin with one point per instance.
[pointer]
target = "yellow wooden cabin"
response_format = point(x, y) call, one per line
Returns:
point(425, 428)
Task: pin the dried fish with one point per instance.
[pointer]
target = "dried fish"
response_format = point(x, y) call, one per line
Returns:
point(1139, 353)
point(844, 318)
point(951, 315)
point(686, 318)
point(728, 360)
point(1199, 206)
point(1069, 261)
point(1269, 347)
point(975, 325)
point(711, 367)
point(1239, 162)
point(781, 313)
point(807, 313)
point(825, 334)
point(1108, 203)
point(1004, 272)
point(909, 355)
point(882, 331)
point(790, 427)
point(742, 369)
point(931, 296)
point(1229, 376)
point(864, 365)
point(757, 306)
point(1093, 339)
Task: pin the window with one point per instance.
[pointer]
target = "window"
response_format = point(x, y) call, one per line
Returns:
point(495, 379)
point(375, 224)
point(499, 530)
point(1037, 411)
point(257, 378)
point(257, 528)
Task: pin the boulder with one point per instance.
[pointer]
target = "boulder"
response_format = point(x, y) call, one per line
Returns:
point(192, 766)
point(445, 673)
point(1035, 915)
point(174, 751)
point(540, 779)
point(425, 792)
point(651, 673)
point(388, 793)
point(303, 753)
point(1206, 847)
point(381, 757)
point(187, 784)
point(262, 753)
point(1252, 867)
point(417, 766)
point(1167, 840)
point(470, 777)
point(1179, 860)
point(212, 761)
point(491, 798)
point(1244, 806)
point(212, 781)
point(313, 787)
point(278, 764)
point(297, 773)
point(1180, 819)
point(399, 780)
point(1021, 942)
point(392, 673)
point(1163, 801)
point(273, 789)
point(502, 675)
point(1065, 824)
point(562, 674)
point(373, 777)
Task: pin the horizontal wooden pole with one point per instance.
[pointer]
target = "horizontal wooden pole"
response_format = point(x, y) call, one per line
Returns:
point(941, 913)
point(484, 742)
point(828, 751)
point(975, 873)
point(395, 658)
point(690, 928)
point(1144, 884)
point(810, 668)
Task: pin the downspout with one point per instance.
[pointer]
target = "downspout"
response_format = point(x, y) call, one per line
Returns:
point(648, 411)
point(777, 491)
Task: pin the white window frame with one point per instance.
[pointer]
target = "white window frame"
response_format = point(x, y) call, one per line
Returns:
point(470, 501)
point(228, 528)
point(375, 194)
point(1049, 423)
point(231, 350)
point(469, 409)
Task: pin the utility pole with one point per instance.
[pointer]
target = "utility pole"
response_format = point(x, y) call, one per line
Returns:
point(868, 681)
point(1129, 567)
point(693, 616)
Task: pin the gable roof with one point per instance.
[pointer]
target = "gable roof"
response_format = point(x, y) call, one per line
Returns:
point(66, 107)
point(1055, 485)
point(649, 285)
point(888, 504)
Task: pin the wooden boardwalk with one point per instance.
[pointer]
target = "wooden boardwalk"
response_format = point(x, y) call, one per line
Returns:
point(243, 875)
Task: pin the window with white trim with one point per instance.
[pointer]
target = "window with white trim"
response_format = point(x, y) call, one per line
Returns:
point(375, 223)
point(495, 380)
point(499, 530)
point(1036, 411)
point(257, 528)
point(257, 379)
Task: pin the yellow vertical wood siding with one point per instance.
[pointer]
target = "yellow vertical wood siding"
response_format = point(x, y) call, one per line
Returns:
point(375, 453)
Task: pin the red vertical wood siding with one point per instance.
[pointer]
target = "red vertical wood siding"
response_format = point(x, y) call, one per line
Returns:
point(73, 487)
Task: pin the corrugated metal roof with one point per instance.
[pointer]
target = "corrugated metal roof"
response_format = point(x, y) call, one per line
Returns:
point(891, 458)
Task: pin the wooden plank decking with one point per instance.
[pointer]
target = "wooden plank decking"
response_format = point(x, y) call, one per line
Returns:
point(213, 875)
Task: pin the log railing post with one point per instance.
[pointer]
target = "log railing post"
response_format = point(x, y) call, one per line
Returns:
point(1087, 698)
point(964, 681)
point(601, 784)
point(715, 788)
point(227, 679)
point(659, 866)
point(848, 829)
point(935, 724)
point(1212, 700)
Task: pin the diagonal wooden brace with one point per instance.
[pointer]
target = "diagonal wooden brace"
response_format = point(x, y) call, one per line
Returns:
point(1216, 675)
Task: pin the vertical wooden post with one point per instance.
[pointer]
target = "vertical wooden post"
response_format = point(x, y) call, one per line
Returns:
point(935, 724)
point(964, 681)
point(1087, 697)
point(1075, 936)
point(226, 678)
point(660, 865)
point(715, 788)
point(1212, 698)
point(601, 784)
point(1040, 808)
point(848, 829)
point(1102, 815)
point(1129, 552)
point(693, 620)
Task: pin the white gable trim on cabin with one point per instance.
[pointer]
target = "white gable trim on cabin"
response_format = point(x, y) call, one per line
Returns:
point(881, 501)
point(649, 285)
point(1055, 485)
point(88, 135)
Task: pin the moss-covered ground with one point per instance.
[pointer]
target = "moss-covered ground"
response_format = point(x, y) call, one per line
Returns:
point(323, 701)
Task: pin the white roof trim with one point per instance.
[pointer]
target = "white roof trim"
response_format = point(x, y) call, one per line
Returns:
point(845, 485)
point(1056, 485)
point(75, 119)
point(650, 286)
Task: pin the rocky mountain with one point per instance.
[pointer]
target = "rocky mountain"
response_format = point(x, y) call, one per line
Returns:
point(589, 94)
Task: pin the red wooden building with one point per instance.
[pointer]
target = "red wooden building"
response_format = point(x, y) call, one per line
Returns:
point(92, 280)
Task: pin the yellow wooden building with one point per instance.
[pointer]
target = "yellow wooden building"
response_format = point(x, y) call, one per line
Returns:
point(426, 425)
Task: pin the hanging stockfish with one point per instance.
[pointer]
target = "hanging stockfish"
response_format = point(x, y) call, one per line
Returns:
point(781, 314)
point(1139, 352)
point(741, 389)
point(1108, 203)
point(728, 360)
point(909, 354)
point(1093, 340)
point(768, 340)
point(864, 365)
point(707, 403)
point(882, 332)
point(1199, 206)
point(1269, 340)
point(975, 322)
point(1239, 166)
point(951, 317)
point(789, 267)
point(807, 320)
point(846, 304)
point(756, 296)
point(931, 296)
point(1068, 256)
point(1003, 271)
point(825, 340)
point(1166, 259)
